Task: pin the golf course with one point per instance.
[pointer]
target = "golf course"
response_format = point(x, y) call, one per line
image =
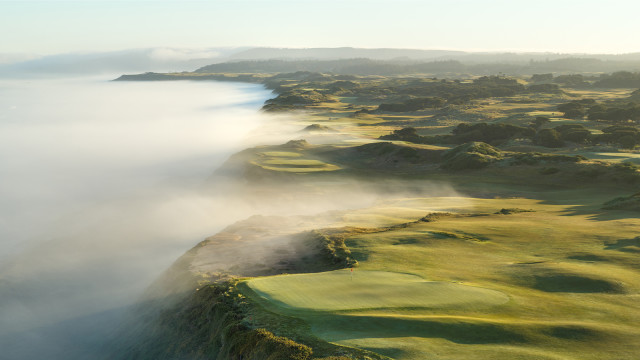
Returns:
point(492, 285)
point(490, 217)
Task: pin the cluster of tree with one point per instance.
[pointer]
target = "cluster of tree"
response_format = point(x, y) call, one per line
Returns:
point(623, 136)
point(615, 111)
point(576, 109)
point(365, 66)
point(409, 134)
point(414, 104)
point(343, 86)
point(296, 98)
point(544, 88)
point(573, 81)
point(434, 94)
point(459, 92)
point(541, 78)
point(556, 137)
point(490, 133)
point(620, 79)
point(463, 133)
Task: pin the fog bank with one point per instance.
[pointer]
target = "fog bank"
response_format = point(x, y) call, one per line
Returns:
point(100, 188)
point(106, 184)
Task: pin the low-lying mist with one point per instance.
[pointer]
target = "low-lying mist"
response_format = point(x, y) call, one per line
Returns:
point(100, 188)
point(105, 184)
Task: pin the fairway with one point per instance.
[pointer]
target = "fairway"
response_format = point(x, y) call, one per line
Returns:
point(335, 290)
point(529, 293)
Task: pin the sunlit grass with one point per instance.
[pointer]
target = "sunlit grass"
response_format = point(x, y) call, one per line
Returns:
point(571, 283)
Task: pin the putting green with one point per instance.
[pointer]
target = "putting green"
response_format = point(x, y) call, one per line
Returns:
point(335, 290)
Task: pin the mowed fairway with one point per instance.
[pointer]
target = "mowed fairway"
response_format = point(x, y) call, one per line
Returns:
point(337, 290)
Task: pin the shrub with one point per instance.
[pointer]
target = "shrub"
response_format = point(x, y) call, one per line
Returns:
point(574, 133)
point(414, 104)
point(485, 132)
point(630, 203)
point(470, 156)
point(574, 109)
point(539, 121)
point(549, 138)
point(544, 88)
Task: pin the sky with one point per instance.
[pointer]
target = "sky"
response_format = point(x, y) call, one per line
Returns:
point(565, 26)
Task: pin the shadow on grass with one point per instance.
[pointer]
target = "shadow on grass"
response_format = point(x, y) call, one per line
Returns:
point(575, 284)
point(625, 245)
point(588, 257)
point(343, 327)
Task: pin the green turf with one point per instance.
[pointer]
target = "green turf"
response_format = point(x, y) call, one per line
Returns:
point(571, 287)
point(339, 290)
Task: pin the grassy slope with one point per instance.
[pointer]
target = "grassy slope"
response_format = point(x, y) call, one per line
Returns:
point(571, 278)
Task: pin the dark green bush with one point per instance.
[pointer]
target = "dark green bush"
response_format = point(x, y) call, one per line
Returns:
point(549, 138)
point(470, 156)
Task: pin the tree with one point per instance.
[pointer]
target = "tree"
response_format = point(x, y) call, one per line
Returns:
point(538, 78)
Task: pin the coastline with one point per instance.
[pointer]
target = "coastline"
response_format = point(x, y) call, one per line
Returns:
point(404, 231)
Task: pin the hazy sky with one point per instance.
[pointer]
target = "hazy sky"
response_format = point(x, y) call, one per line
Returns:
point(53, 26)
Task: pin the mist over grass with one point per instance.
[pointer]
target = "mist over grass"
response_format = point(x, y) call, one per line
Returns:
point(105, 184)
point(101, 191)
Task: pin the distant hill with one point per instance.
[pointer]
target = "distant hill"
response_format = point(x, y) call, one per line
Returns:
point(363, 66)
point(345, 60)
point(264, 53)
point(134, 60)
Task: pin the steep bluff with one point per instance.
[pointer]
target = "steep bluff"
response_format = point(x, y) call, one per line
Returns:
point(197, 310)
